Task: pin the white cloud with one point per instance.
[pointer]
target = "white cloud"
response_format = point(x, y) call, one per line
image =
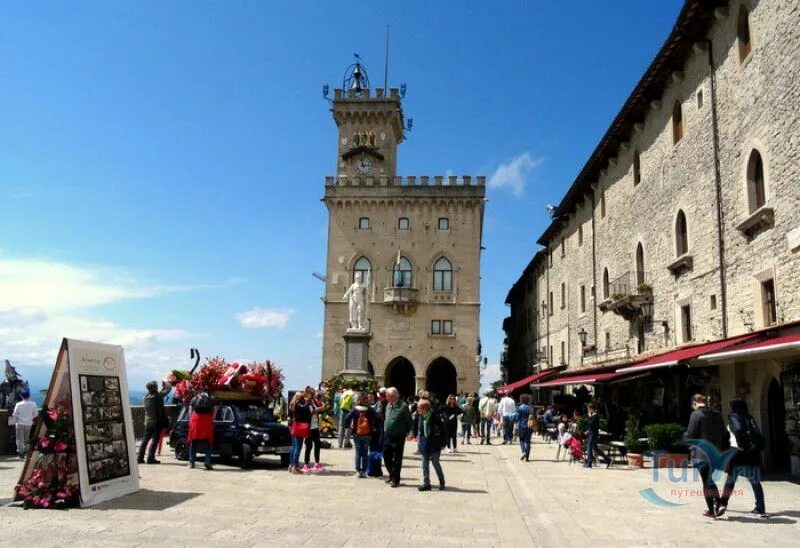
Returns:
point(265, 317)
point(512, 174)
point(42, 301)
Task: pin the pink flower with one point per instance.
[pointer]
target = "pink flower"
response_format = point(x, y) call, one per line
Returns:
point(60, 446)
point(53, 414)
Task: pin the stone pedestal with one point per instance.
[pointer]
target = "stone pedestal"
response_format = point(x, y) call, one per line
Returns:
point(356, 354)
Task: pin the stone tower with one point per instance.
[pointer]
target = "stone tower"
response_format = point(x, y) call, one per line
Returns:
point(416, 242)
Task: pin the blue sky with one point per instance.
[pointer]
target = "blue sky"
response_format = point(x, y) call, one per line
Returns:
point(161, 164)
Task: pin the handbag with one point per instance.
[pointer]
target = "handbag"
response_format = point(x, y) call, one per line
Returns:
point(301, 429)
point(532, 424)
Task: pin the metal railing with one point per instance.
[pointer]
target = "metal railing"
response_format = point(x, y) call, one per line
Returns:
point(633, 282)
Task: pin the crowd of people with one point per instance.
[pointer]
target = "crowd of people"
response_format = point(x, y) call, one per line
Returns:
point(378, 424)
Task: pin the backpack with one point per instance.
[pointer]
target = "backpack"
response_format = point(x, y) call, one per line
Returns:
point(755, 439)
point(347, 401)
point(202, 403)
point(362, 424)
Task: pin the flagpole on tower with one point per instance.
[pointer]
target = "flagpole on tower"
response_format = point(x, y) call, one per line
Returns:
point(386, 64)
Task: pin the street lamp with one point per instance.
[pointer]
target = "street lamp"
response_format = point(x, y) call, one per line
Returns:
point(647, 314)
point(582, 334)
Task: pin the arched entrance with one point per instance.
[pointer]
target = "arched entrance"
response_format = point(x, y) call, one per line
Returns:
point(776, 427)
point(440, 379)
point(400, 374)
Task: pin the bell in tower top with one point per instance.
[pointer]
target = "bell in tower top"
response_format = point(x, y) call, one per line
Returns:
point(355, 77)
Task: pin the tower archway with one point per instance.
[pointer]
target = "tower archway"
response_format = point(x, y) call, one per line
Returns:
point(400, 374)
point(440, 379)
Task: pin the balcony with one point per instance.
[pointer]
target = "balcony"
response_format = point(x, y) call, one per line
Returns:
point(627, 294)
point(402, 299)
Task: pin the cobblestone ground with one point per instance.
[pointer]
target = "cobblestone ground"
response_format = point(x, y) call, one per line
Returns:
point(492, 499)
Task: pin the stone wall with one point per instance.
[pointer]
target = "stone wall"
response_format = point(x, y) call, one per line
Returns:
point(757, 107)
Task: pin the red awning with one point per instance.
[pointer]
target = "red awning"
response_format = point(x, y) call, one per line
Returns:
point(509, 388)
point(676, 356)
point(775, 344)
point(584, 378)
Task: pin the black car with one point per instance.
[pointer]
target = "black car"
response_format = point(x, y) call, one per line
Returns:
point(242, 429)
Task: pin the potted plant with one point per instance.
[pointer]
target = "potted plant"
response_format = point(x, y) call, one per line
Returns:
point(662, 439)
point(645, 288)
point(634, 447)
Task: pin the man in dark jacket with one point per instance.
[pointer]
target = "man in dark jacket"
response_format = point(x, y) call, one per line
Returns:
point(395, 427)
point(593, 433)
point(432, 436)
point(707, 434)
point(155, 420)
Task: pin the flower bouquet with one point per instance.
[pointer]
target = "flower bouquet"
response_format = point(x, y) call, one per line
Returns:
point(260, 379)
point(53, 482)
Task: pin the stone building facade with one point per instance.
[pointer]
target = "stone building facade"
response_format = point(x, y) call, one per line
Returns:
point(416, 242)
point(684, 224)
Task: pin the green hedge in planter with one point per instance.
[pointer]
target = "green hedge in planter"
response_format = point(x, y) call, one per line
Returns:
point(632, 435)
point(662, 437)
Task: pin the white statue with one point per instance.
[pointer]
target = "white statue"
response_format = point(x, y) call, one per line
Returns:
point(356, 297)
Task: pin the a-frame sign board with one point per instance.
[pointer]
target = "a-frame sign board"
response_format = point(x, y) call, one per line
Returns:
point(90, 379)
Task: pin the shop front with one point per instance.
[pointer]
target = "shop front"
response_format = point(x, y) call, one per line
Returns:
point(766, 374)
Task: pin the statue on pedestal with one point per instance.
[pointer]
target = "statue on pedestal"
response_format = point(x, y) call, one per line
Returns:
point(356, 297)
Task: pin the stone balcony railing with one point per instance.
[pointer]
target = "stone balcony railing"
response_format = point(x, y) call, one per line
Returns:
point(392, 295)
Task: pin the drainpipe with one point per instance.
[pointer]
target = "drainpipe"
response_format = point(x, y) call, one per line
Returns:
point(547, 300)
point(594, 279)
point(718, 188)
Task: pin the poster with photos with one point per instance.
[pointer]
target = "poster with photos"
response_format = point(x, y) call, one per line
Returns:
point(104, 429)
point(101, 408)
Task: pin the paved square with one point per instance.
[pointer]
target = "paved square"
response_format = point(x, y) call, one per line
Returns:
point(492, 499)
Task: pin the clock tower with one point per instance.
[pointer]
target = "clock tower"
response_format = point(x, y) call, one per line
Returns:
point(414, 244)
point(370, 127)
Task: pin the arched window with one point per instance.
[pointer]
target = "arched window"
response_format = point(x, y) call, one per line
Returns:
point(756, 194)
point(640, 277)
point(443, 275)
point(402, 273)
point(743, 33)
point(677, 122)
point(362, 267)
point(606, 284)
point(637, 169)
point(681, 235)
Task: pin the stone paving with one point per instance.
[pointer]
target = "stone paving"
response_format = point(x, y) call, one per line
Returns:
point(492, 499)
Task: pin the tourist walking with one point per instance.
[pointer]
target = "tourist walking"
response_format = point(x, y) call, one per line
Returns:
point(525, 421)
point(300, 428)
point(707, 430)
point(395, 428)
point(451, 412)
point(155, 420)
point(24, 413)
point(201, 428)
point(747, 459)
point(362, 423)
point(469, 418)
point(487, 408)
point(313, 440)
point(506, 409)
point(592, 429)
point(345, 406)
point(432, 434)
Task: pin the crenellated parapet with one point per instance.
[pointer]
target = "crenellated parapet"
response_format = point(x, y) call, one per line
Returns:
point(407, 181)
point(366, 94)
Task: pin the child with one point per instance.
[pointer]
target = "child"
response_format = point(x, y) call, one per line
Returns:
point(362, 421)
point(432, 436)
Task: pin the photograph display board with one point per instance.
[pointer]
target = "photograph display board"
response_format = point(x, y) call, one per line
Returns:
point(103, 423)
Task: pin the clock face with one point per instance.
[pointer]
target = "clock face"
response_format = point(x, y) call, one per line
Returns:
point(364, 165)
